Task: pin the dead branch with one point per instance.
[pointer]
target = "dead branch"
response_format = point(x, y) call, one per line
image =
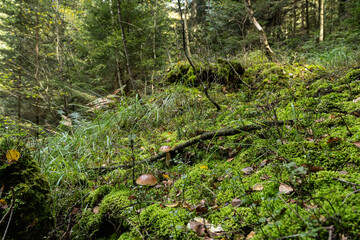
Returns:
point(202, 137)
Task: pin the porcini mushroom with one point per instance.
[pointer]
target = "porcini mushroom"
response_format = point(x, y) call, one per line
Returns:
point(166, 149)
point(146, 180)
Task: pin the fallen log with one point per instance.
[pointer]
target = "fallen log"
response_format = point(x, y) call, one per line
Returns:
point(204, 136)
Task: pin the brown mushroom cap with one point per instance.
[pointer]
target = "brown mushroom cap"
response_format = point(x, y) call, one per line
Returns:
point(146, 179)
point(165, 148)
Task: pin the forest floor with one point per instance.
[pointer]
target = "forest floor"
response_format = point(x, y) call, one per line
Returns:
point(288, 166)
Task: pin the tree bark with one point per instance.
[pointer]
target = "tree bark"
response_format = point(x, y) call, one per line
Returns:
point(186, 28)
point(155, 28)
point(307, 16)
point(262, 33)
point(128, 65)
point(321, 36)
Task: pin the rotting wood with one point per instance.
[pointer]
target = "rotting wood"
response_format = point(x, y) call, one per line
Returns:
point(205, 136)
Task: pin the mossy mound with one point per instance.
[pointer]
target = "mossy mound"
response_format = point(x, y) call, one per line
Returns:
point(32, 217)
point(105, 215)
point(225, 72)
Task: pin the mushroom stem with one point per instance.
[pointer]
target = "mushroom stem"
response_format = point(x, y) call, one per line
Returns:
point(168, 157)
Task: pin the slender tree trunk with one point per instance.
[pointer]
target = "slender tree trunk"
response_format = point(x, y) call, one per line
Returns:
point(307, 16)
point(262, 33)
point(191, 63)
point(302, 18)
point(187, 39)
point(37, 68)
point(294, 20)
point(155, 28)
point(117, 61)
point(132, 81)
point(321, 36)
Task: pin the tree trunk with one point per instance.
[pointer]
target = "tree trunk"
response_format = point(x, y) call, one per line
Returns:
point(117, 61)
point(187, 39)
point(155, 28)
point(37, 68)
point(321, 36)
point(307, 16)
point(191, 63)
point(132, 81)
point(262, 33)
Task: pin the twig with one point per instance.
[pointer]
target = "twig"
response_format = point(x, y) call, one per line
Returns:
point(356, 191)
point(11, 210)
point(331, 229)
point(344, 181)
point(293, 210)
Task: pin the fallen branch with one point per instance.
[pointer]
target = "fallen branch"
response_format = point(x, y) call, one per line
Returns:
point(204, 136)
point(356, 191)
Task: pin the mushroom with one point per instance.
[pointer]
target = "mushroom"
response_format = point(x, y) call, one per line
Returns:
point(166, 149)
point(146, 180)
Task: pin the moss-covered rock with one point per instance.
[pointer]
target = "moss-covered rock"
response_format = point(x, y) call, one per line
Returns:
point(32, 217)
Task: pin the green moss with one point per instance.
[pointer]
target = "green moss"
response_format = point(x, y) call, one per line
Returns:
point(224, 71)
point(32, 217)
point(112, 204)
point(351, 76)
point(167, 223)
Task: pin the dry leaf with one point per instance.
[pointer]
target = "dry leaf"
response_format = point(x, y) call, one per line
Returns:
point(3, 204)
point(131, 197)
point(250, 235)
point(357, 144)
point(75, 210)
point(236, 202)
point(312, 168)
point(333, 140)
point(215, 231)
point(264, 163)
point(230, 159)
point(258, 187)
point(344, 172)
point(283, 188)
point(197, 227)
point(172, 205)
point(179, 193)
point(309, 206)
point(204, 167)
point(356, 100)
point(320, 120)
point(96, 209)
point(265, 177)
point(247, 170)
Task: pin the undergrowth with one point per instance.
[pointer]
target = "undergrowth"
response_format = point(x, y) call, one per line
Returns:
point(298, 177)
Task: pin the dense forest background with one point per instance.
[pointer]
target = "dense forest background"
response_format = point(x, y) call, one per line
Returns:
point(57, 55)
